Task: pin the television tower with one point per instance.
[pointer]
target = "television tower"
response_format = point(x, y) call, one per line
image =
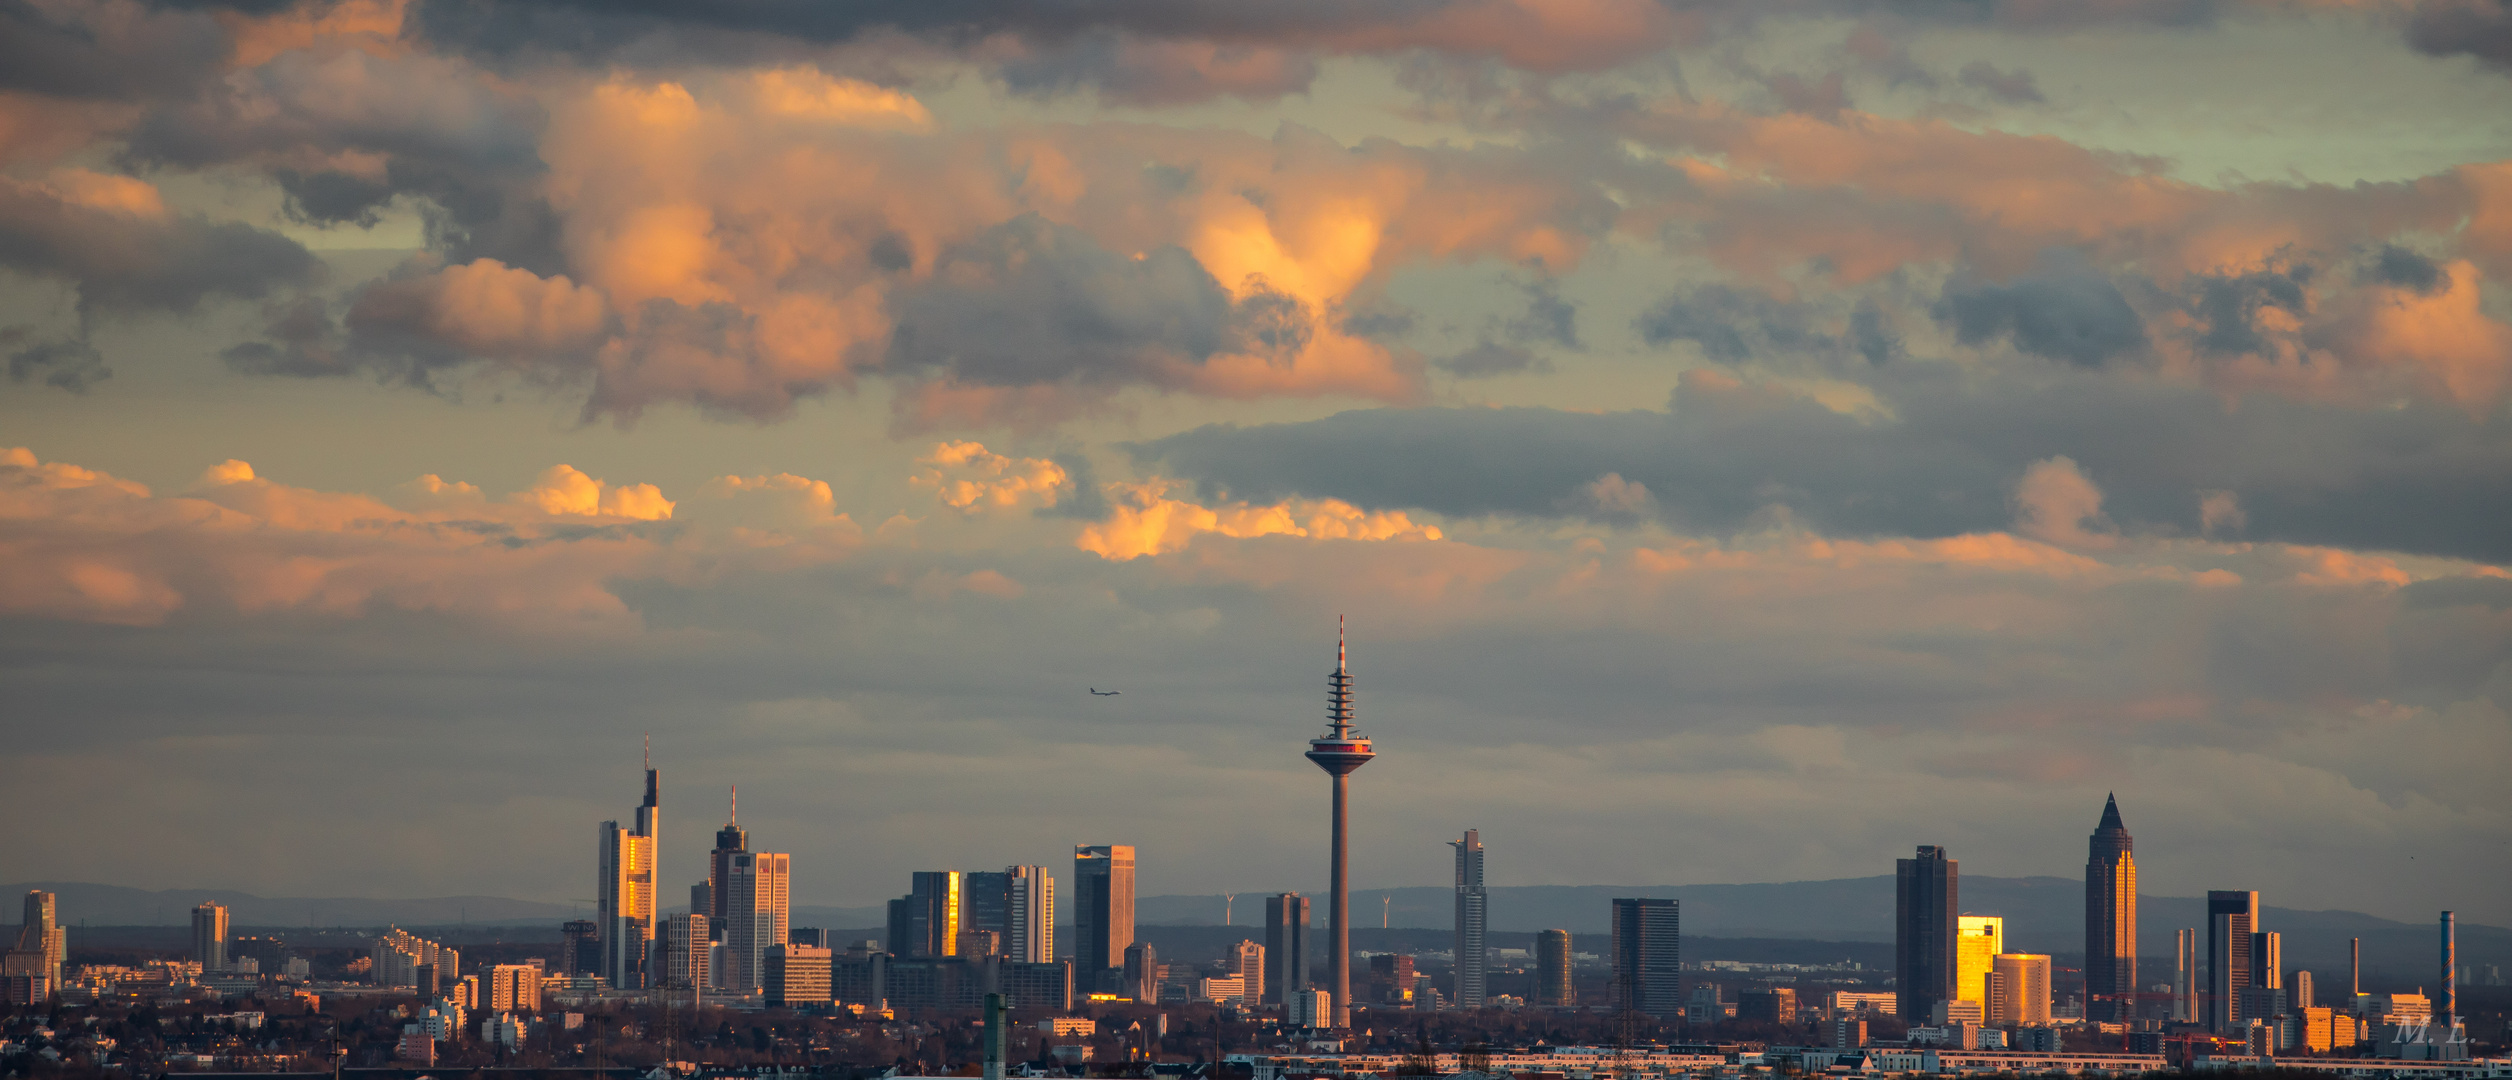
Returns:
point(1340, 751)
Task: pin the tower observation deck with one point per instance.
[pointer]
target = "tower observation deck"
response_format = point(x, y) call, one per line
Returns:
point(1339, 751)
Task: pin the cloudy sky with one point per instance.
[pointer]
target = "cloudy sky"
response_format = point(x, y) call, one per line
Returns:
point(1749, 438)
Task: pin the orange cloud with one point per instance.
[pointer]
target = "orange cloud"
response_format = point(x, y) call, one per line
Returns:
point(566, 490)
point(1146, 521)
point(967, 477)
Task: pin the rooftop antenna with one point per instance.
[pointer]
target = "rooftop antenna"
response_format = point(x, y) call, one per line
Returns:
point(736, 806)
point(649, 751)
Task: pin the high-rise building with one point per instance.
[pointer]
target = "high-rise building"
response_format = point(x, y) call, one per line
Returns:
point(43, 935)
point(1340, 751)
point(513, 988)
point(1141, 965)
point(682, 953)
point(730, 840)
point(1472, 952)
point(2232, 917)
point(2022, 984)
point(2354, 967)
point(1246, 960)
point(2111, 919)
point(581, 950)
point(2267, 960)
point(209, 937)
point(985, 902)
point(1103, 879)
point(1648, 957)
point(1977, 941)
point(2185, 976)
point(625, 910)
point(1286, 947)
point(759, 906)
point(1028, 915)
point(793, 975)
point(928, 920)
point(1552, 970)
point(2302, 997)
point(2448, 1008)
point(1926, 895)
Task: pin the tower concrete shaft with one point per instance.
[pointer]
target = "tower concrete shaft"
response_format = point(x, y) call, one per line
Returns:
point(1339, 752)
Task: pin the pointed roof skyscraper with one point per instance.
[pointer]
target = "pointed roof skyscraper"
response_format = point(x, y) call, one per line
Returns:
point(2110, 918)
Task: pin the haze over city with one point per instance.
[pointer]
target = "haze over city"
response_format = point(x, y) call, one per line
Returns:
point(1748, 441)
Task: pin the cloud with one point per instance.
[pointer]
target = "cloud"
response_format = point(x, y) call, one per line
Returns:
point(1144, 520)
point(1491, 358)
point(2064, 310)
point(2056, 503)
point(112, 240)
point(2015, 87)
point(113, 49)
point(967, 477)
point(70, 365)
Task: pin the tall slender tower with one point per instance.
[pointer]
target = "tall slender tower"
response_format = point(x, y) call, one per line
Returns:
point(625, 912)
point(1927, 891)
point(2111, 919)
point(730, 840)
point(2232, 919)
point(1340, 751)
point(1472, 951)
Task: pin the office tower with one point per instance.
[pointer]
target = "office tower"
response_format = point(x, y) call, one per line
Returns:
point(2111, 919)
point(209, 937)
point(1552, 970)
point(1286, 947)
point(2267, 960)
point(1141, 964)
point(2185, 975)
point(1028, 915)
point(1246, 960)
point(928, 920)
point(979, 945)
point(759, 905)
point(1392, 978)
point(1473, 955)
point(1926, 894)
point(1648, 957)
point(730, 840)
point(2023, 985)
point(1977, 941)
point(43, 935)
point(2448, 1008)
point(807, 935)
point(2301, 995)
point(985, 901)
point(624, 893)
point(581, 951)
point(1103, 876)
point(682, 951)
point(2232, 917)
point(795, 975)
point(1340, 751)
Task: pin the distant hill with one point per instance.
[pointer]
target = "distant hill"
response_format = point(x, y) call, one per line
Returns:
point(114, 905)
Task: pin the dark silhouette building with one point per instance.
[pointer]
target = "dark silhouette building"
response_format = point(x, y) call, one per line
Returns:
point(2232, 926)
point(1103, 923)
point(1473, 952)
point(1286, 946)
point(1552, 970)
point(2111, 920)
point(1648, 957)
point(1927, 894)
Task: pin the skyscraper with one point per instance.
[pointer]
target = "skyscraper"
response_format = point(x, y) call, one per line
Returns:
point(2267, 960)
point(759, 910)
point(1286, 946)
point(2111, 919)
point(1340, 751)
point(729, 841)
point(1648, 957)
point(1029, 915)
point(1141, 972)
point(1103, 878)
point(2232, 917)
point(2023, 989)
point(209, 937)
point(1552, 970)
point(1926, 894)
point(1473, 954)
point(681, 952)
point(986, 902)
point(928, 920)
point(2185, 975)
point(1977, 941)
point(42, 934)
point(1246, 960)
point(2447, 1009)
point(624, 915)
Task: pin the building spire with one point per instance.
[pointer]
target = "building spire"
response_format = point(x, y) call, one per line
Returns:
point(736, 818)
point(649, 751)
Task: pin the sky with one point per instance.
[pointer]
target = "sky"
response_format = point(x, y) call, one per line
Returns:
point(1746, 438)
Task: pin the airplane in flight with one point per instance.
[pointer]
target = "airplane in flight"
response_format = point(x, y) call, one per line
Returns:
point(1096, 692)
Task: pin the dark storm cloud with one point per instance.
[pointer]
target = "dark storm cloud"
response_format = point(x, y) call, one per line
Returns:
point(2406, 269)
point(1031, 301)
point(134, 262)
point(2066, 309)
point(2480, 29)
point(72, 365)
point(1491, 358)
point(1732, 324)
point(2227, 305)
point(2420, 479)
point(88, 51)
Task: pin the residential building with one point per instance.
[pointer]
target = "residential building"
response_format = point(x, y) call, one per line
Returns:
point(625, 913)
point(2111, 919)
point(209, 937)
point(402, 959)
point(794, 975)
point(2232, 921)
point(759, 905)
point(1926, 895)
point(1103, 925)
point(1473, 953)
point(1648, 956)
point(1286, 947)
point(1552, 970)
point(514, 988)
